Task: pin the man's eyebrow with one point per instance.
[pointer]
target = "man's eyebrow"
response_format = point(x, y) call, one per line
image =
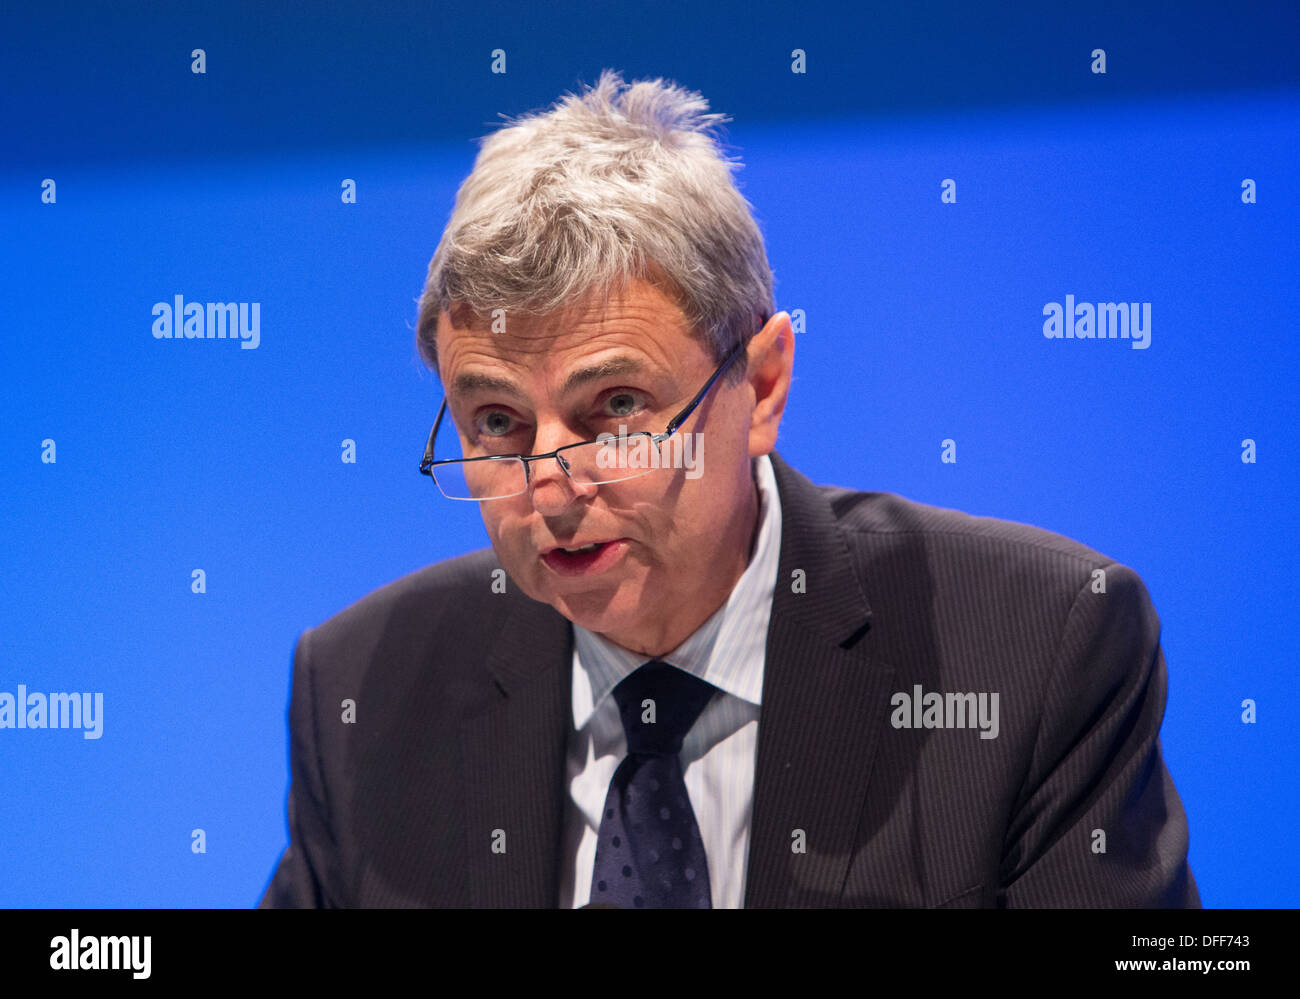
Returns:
point(480, 381)
point(621, 364)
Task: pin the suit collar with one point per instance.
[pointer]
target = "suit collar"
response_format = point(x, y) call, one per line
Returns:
point(825, 701)
point(812, 538)
point(514, 761)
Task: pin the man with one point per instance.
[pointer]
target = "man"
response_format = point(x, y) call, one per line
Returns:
point(749, 690)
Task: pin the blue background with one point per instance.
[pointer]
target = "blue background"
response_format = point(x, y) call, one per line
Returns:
point(923, 323)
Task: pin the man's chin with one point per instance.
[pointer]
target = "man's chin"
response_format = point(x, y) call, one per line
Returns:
point(610, 602)
point(601, 613)
point(595, 612)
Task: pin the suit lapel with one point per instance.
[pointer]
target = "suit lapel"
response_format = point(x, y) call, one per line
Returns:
point(514, 759)
point(824, 702)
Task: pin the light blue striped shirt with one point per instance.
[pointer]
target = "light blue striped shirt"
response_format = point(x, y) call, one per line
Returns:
point(718, 753)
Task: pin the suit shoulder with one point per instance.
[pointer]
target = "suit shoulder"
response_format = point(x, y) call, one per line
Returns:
point(415, 612)
point(933, 570)
point(881, 520)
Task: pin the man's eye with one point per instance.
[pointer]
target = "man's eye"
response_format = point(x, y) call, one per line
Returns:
point(623, 403)
point(495, 423)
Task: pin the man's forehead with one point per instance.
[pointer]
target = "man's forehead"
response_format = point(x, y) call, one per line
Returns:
point(478, 379)
point(639, 341)
point(640, 304)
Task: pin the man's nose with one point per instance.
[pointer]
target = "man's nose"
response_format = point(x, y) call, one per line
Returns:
point(551, 487)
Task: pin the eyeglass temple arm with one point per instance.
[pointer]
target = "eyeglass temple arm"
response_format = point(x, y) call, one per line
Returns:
point(681, 417)
point(433, 434)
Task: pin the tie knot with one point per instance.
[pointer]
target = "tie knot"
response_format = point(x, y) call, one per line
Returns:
point(658, 704)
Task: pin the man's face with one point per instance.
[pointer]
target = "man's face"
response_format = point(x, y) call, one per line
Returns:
point(676, 544)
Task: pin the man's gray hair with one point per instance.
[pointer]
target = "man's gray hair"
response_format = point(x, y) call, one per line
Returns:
point(623, 181)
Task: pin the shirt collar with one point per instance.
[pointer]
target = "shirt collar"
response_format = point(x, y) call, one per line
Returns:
point(727, 650)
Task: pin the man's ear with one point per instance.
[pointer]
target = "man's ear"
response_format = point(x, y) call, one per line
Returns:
point(771, 364)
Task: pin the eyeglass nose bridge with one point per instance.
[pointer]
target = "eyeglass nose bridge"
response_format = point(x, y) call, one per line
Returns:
point(563, 462)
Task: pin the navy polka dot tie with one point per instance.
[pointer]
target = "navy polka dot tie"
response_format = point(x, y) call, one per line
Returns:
point(649, 854)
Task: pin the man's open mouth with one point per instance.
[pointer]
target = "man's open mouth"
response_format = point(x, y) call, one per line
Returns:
point(592, 546)
point(593, 556)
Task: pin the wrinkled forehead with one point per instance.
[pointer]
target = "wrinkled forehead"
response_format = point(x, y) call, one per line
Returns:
point(643, 320)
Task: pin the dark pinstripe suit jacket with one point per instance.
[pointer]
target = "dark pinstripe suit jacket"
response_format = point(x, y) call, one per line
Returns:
point(462, 710)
